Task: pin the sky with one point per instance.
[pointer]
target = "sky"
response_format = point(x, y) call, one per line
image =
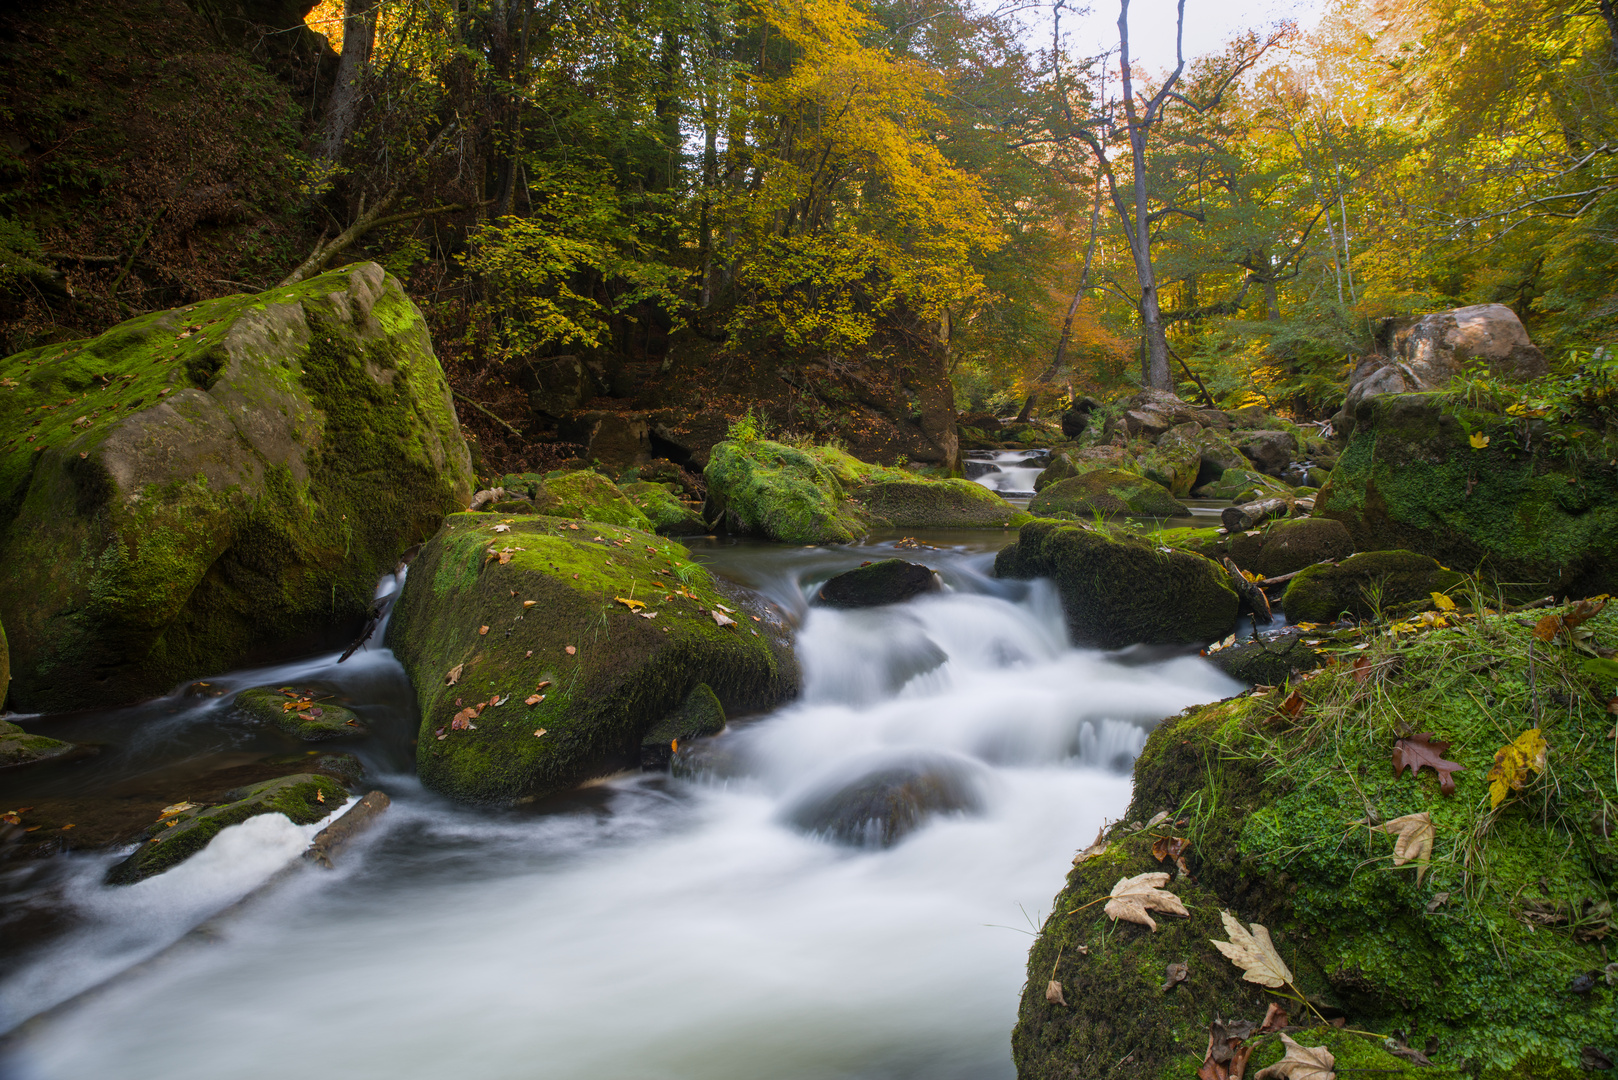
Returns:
point(1208, 25)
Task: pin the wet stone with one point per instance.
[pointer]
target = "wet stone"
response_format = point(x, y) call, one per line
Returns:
point(888, 802)
point(890, 581)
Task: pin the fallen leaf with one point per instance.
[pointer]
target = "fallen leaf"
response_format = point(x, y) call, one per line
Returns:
point(1292, 707)
point(529, 603)
point(1548, 627)
point(482, 630)
point(454, 675)
point(647, 614)
point(1413, 841)
point(539, 732)
point(632, 605)
point(1254, 953)
point(1362, 668)
point(505, 557)
point(1438, 901)
point(533, 699)
point(1132, 897)
point(1275, 1018)
point(462, 720)
point(1420, 751)
point(722, 620)
point(1513, 765)
point(502, 528)
point(1479, 441)
point(1094, 849)
point(1227, 1054)
point(1301, 1063)
point(1175, 974)
point(69, 825)
point(1442, 602)
point(320, 796)
point(570, 650)
point(1053, 993)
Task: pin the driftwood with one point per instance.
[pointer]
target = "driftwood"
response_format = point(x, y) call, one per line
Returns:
point(1252, 598)
point(1250, 515)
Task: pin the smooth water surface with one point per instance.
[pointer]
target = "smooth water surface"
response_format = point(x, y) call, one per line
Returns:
point(650, 926)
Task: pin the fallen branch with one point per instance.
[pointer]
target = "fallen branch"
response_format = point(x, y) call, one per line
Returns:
point(374, 218)
point(1250, 515)
point(1267, 582)
point(485, 412)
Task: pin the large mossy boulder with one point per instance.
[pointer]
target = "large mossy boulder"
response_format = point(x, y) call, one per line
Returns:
point(1531, 505)
point(589, 495)
point(1364, 586)
point(542, 655)
point(664, 510)
point(305, 798)
point(1118, 590)
point(819, 494)
point(1242, 485)
point(1491, 955)
point(199, 485)
point(1107, 491)
point(1176, 459)
point(1296, 543)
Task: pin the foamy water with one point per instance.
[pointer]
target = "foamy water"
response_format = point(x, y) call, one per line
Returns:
point(660, 927)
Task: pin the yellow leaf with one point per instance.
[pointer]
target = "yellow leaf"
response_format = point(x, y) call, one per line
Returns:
point(1442, 602)
point(1513, 765)
point(632, 605)
point(1479, 440)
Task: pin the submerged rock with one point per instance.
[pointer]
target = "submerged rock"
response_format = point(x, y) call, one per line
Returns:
point(200, 484)
point(1119, 591)
point(1106, 491)
point(1542, 519)
point(1364, 585)
point(17, 747)
point(890, 581)
point(308, 717)
point(890, 801)
point(304, 798)
point(603, 636)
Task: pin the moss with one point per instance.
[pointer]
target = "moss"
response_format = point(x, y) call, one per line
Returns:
point(700, 714)
point(304, 798)
point(323, 720)
point(589, 495)
point(1365, 585)
point(1274, 809)
point(1237, 484)
point(783, 493)
point(1293, 544)
point(908, 502)
point(1208, 542)
point(1119, 590)
point(505, 627)
point(1539, 518)
point(257, 499)
point(1107, 491)
point(667, 515)
point(1176, 459)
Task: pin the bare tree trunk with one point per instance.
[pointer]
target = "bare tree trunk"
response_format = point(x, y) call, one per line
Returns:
point(359, 33)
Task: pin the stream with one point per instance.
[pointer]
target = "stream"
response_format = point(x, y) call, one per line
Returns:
point(648, 925)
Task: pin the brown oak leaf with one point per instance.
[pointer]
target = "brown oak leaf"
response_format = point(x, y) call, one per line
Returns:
point(1420, 751)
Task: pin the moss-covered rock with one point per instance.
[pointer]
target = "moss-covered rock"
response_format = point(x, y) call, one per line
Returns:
point(1364, 585)
point(1240, 482)
point(1176, 460)
point(304, 797)
point(300, 713)
point(1535, 507)
point(1209, 542)
point(698, 715)
point(820, 494)
point(1107, 491)
point(589, 495)
point(1292, 544)
point(198, 484)
point(666, 513)
point(17, 747)
point(1267, 661)
point(607, 634)
point(1119, 591)
point(1488, 954)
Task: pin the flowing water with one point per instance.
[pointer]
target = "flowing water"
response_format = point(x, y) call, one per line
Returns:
point(1009, 473)
point(648, 926)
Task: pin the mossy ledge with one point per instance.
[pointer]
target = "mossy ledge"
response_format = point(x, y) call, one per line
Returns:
point(1496, 955)
point(499, 601)
point(197, 486)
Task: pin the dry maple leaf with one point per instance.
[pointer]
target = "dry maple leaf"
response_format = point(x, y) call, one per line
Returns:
point(1053, 993)
point(1301, 1063)
point(1094, 849)
point(1418, 751)
point(1414, 840)
point(533, 699)
point(454, 675)
point(722, 620)
point(632, 605)
point(1362, 669)
point(1442, 602)
point(463, 720)
point(1131, 898)
point(1174, 974)
point(1513, 765)
point(1254, 953)
point(1167, 848)
point(1228, 1051)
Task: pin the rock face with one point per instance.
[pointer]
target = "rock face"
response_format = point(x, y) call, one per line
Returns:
point(1410, 478)
point(1118, 592)
point(556, 386)
point(1271, 451)
point(304, 797)
point(1270, 662)
point(1425, 352)
point(698, 715)
point(198, 484)
point(890, 581)
point(890, 801)
point(1106, 491)
point(1176, 459)
point(1359, 586)
point(822, 495)
point(494, 615)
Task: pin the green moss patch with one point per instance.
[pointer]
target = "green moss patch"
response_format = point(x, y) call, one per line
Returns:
point(1106, 491)
point(497, 611)
point(589, 495)
point(663, 509)
point(17, 747)
point(1364, 586)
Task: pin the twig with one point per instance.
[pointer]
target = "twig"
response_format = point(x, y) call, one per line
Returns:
point(485, 412)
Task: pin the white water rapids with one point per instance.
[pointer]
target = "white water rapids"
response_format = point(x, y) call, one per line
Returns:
point(655, 927)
